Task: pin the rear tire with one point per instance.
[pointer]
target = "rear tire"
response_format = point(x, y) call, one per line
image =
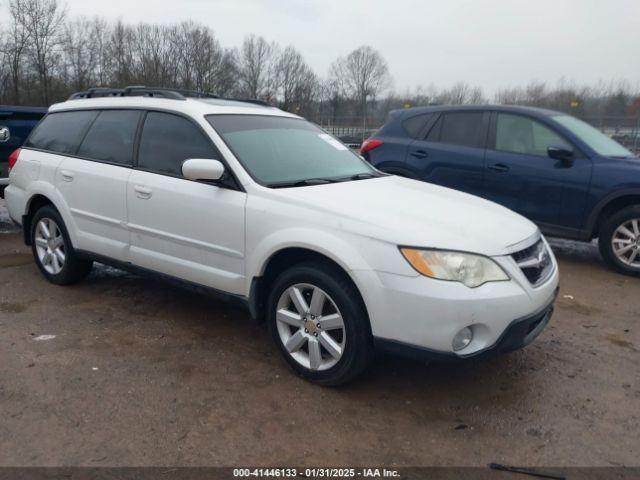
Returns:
point(327, 341)
point(52, 250)
point(619, 240)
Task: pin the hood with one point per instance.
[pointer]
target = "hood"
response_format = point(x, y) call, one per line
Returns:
point(413, 213)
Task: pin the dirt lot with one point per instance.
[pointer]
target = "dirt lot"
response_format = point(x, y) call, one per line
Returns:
point(141, 373)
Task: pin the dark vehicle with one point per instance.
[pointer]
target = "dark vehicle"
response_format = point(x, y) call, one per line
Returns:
point(558, 171)
point(15, 125)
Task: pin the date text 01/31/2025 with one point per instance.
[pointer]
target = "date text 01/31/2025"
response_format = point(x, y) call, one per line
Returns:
point(316, 472)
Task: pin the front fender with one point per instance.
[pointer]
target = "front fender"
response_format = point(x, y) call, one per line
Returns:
point(603, 202)
point(332, 246)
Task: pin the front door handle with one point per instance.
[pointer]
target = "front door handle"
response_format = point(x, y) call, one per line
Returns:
point(499, 167)
point(143, 192)
point(419, 154)
point(67, 176)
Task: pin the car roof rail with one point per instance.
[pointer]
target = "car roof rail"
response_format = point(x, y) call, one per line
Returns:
point(160, 92)
point(255, 101)
point(131, 91)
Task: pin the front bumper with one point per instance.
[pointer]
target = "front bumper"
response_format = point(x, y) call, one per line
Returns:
point(520, 333)
point(426, 314)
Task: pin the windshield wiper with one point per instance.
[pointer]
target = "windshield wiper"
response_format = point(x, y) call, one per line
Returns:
point(303, 183)
point(362, 176)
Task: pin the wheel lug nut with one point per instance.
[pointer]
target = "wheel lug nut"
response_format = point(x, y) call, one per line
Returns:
point(306, 331)
point(315, 334)
point(318, 325)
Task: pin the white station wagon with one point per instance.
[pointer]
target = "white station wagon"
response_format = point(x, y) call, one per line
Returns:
point(266, 208)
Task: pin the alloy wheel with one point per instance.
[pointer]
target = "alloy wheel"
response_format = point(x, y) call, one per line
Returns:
point(50, 246)
point(626, 242)
point(310, 326)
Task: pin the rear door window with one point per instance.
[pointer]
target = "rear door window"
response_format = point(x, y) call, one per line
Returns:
point(61, 132)
point(168, 140)
point(462, 128)
point(111, 137)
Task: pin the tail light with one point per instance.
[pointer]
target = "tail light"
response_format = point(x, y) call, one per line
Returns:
point(13, 158)
point(369, 144)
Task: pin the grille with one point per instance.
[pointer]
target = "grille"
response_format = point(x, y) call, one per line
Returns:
point(535, 262)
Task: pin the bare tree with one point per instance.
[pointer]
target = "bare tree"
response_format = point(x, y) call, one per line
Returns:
point(4, 70)
point(362, 75)
point(203, 64)
point(459, 94)
point(42, 21)
point(100, 31)
point(155, 63)
point(119, 51)
point(255, 67)
point(14, 48)
point(80, 52)
point(296, 83)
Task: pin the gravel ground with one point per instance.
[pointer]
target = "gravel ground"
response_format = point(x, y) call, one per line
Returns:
point(123, 370)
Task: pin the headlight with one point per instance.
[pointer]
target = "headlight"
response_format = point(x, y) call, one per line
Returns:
point(467, 268)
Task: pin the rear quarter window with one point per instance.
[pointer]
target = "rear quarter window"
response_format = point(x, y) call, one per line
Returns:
point(61, 132)
point(465, 129)
point(414, 125)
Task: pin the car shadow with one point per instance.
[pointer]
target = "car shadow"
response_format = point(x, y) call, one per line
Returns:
point(577, 252)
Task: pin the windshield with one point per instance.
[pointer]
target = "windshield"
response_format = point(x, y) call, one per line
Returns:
point(284, 151)
point(598, 141)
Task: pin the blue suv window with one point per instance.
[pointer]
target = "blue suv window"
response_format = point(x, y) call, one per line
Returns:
point(459, 128)
point(518, 134)
point(414, 125)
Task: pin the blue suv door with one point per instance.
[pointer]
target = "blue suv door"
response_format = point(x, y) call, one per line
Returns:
point(452, 153)
point(523, 177)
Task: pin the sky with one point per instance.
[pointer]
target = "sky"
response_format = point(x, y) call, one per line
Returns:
point(486, 43)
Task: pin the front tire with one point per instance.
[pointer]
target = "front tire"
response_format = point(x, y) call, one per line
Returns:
point(52, 249)
point(318, 321)
point(619, 240)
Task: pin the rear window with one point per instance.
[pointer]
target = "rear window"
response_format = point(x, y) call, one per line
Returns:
point(111, 137)
point(61, 132)
point(460, 128)
point(414, 125)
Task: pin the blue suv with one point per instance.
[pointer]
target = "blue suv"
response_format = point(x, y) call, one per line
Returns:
point(558, 171)
point(15, 125)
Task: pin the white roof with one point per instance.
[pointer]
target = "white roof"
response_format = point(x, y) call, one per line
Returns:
point(191, 106)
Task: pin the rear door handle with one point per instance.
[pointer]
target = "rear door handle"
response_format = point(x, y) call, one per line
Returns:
point(499, 167)
point(143, 192)
point(67, 176)
point(419, 154)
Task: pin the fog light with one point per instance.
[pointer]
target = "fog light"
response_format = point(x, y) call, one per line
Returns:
point(462, 339)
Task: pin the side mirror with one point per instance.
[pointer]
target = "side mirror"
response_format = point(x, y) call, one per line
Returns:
point(202, 169)
point(563, 154)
